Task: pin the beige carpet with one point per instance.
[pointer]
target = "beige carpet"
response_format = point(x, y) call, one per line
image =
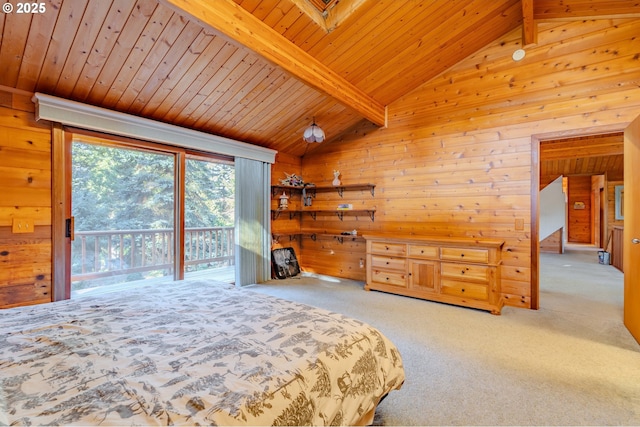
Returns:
point(570, 363)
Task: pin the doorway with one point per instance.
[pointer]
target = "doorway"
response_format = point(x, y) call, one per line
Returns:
point(579, 153)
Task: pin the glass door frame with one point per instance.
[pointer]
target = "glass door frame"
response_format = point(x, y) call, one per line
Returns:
point(62, 141)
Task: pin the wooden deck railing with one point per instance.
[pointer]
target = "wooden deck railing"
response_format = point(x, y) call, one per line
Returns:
point(98, 254)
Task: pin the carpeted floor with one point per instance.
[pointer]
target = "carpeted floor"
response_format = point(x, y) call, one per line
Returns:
point(570, 363)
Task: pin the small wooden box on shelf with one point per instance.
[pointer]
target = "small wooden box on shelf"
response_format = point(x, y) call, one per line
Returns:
point(458, 271)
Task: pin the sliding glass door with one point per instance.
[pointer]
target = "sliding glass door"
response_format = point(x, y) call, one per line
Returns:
point(141, 212)
point(123, 210)
point(209, 203)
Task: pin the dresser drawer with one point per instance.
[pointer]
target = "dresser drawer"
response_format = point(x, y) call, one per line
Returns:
point(476, 273)
point(388, 263)
point(423, 251)
point(461, 254)
point(464, 289)
point(388, 277)
point(397, 249)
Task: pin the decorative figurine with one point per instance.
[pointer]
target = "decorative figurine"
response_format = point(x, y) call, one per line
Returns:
point(306, 198)
point(284, 201)
point(292, 180)
point(336, 180)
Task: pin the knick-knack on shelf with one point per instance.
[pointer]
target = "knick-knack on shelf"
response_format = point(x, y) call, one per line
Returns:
point(284, 201)
point(336, 179)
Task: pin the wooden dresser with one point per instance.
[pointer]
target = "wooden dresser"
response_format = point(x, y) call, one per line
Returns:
point(456, 271)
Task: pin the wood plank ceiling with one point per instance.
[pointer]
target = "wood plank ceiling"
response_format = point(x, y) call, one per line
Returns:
point(588, 155)
point(259, 71)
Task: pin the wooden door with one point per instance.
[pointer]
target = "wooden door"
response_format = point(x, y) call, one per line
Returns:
point(423, 275)
point(631, 244)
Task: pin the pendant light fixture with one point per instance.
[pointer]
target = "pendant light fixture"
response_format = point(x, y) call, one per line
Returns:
point(313, 133)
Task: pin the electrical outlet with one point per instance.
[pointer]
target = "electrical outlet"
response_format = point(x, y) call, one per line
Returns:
point(519, 224)
point(23, 225)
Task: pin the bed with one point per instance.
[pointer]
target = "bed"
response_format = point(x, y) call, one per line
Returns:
point(195, 352)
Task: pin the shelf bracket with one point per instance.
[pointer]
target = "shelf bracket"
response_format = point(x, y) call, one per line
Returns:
point(373, 191)
point(340, 215)
point(340, 239)
point(372, 214)
point(313, 215)
point(275, 215)
point(314, 236)
point(340, 190)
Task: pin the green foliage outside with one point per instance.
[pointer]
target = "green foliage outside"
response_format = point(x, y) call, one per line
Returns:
point(125, 189)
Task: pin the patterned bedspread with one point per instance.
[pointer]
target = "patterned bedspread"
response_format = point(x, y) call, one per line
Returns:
point(192, 352)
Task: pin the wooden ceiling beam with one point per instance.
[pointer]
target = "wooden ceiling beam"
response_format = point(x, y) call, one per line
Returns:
point(233, 21)
point(529, 29)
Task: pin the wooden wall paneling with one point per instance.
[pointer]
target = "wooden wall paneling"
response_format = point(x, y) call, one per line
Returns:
point(285, 229)
point(456, 158)
point(329, 256)
point(616, 248)
point(25, 164)
point(554, 243)
point(580, 219)
point(535, 72)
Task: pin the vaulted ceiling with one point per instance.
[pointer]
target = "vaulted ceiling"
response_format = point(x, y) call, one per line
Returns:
point(260, 71)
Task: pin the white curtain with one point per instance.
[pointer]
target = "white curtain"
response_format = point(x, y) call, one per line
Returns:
point(253, 221)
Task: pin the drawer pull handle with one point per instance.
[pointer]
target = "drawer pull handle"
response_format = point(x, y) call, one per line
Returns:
point(461, 255)
point(462, 272)
point(462, 289)
point(387, 262)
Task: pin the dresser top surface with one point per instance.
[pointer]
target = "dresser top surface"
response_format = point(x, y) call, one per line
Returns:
point(434, 240)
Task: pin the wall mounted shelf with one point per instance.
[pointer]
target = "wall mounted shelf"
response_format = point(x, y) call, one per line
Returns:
point(315, 236)
point(275, 213)
point(312, 189)
point(341, 212)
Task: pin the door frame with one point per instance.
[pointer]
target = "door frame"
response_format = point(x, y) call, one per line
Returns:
point(536, 139)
